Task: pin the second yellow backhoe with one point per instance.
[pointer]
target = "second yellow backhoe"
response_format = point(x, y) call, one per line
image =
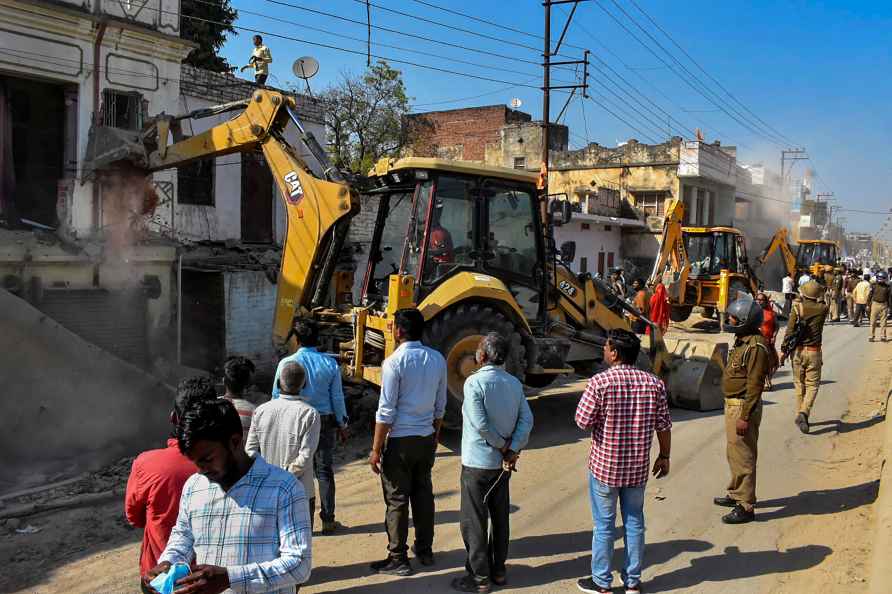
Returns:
point(470, 246)
point(703, 267)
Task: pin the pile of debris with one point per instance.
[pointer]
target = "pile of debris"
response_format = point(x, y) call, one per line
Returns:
point(103, 485)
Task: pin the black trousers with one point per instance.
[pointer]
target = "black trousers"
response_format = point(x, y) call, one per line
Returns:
point(406, 480)
point(859, 313)
point(487, 551)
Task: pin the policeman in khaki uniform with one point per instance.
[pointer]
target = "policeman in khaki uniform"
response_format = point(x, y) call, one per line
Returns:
point(743, 382)
point(807, 361)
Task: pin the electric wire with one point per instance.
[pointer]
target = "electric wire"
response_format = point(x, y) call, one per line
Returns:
point(701, 89)
point(713, 79)
point(364, 41)
point(448, 26)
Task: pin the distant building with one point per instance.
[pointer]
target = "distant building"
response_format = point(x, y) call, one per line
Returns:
point(494, 135)
point(645, 178)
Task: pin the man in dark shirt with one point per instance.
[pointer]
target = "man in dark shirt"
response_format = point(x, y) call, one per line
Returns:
point(157, 477)
point(807, 360)
point(880, 301)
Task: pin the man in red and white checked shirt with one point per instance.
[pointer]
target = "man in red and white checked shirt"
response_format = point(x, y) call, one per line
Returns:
point(622, 407)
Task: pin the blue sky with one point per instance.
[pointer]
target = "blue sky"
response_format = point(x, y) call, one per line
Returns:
point(815, 73)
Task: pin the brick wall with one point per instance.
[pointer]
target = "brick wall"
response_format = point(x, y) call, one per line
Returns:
point(250, 302)
point(462, 134)
point(223, 88)
point(361, 228)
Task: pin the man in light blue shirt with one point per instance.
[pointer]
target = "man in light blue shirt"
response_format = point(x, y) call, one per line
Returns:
point(497, 422)
point(410, 413)
point(324, 392)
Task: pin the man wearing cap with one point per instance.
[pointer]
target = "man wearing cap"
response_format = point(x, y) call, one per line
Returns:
point(807, 359)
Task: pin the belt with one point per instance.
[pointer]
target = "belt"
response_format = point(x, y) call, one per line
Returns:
point(811, 348)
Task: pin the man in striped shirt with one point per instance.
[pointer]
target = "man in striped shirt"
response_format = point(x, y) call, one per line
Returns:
point(244, 521)
point(622, 407)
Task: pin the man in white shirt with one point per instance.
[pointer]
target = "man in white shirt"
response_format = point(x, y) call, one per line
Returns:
point(285, 431)
point(804, 278)
point(260, 60)
point(789, 293)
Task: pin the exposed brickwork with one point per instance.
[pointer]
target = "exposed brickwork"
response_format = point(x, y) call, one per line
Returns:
point(250, 304)
point(223, 88)
point(463, 134)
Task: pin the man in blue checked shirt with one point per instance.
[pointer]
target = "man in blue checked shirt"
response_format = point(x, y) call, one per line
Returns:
point(244, 521)
point(324, 392)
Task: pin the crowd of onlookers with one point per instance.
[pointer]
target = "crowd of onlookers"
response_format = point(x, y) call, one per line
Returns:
point(228, 504)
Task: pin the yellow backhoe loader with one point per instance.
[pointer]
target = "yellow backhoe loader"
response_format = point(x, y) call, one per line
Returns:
point(470, 246)
point(818, 257)
point(701, 266)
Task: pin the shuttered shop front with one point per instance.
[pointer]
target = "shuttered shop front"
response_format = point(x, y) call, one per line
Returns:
point(112, 320)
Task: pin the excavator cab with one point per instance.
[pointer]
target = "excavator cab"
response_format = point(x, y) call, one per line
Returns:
point(436, 224)
point(817, 256)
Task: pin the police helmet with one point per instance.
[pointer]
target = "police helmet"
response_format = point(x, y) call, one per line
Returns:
point(882, 277)
point(748, 314)
point(811, 290)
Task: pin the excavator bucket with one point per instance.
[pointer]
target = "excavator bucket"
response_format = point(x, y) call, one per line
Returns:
point(109, 147)
point(693, 373)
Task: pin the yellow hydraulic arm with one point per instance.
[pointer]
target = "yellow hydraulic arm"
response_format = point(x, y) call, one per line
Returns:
point(318, 211)
point(673, 257)
point(779, 241)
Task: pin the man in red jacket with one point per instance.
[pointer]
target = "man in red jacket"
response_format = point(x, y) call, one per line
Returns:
point(157, 477)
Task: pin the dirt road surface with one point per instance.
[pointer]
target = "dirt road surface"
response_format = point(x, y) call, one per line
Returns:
point(813, 531)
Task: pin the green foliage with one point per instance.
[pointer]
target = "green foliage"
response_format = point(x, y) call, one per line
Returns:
point(209, 36)
point(364, 116)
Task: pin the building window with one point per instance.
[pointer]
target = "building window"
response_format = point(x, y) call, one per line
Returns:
point(520, 162)
point(701, 203)
point(650, 203)
point(583, 265)
point(586, 226)
point(122, 110)
point(195, 183)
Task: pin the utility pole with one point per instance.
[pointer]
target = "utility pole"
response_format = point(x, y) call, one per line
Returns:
point(547, 53)
point(791, 155)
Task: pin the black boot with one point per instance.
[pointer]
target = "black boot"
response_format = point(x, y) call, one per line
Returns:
point(802, 422)
point(739, 515)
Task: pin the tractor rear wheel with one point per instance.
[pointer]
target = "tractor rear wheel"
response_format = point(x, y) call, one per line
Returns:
point(456, 334)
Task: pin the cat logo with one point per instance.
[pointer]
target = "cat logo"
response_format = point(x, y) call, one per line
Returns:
point(296, 192)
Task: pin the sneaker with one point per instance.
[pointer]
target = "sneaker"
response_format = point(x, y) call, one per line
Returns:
point(739, 516)
point(725, 501)
point(589, 585)
point(634, 589)
point(426, 558)
point(391, 566)
point(467, 584)
point(802, 422)
point(331, 527)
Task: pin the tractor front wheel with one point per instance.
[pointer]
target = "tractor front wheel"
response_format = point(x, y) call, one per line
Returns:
point(456, 333)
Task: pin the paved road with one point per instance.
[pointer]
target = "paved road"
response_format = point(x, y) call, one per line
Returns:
point(689, 550)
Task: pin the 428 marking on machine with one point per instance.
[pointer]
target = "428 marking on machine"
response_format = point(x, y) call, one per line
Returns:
point(296, 191)
point(567, 288)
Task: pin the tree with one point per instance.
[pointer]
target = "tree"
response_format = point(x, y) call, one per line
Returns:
point(210, 36)
point(364, 115)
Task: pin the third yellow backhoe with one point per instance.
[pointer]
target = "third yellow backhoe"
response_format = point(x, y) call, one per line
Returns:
point(818, 257)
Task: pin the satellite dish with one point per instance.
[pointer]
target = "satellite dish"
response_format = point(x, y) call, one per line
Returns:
point(305, 68)
point(516, 103)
